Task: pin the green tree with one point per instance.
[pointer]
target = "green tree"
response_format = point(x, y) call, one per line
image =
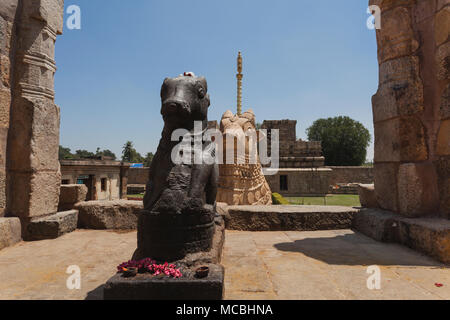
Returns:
point(344, 140)
point(109, 153)
point(84, 154)
point(64, 153)
point(129, 153)
point(148, 159)
point(105, 153)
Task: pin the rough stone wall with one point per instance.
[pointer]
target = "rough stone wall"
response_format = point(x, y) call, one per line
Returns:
point(138, 175)
point(302, 182)
point(33, 171)
point(411, 108)
point(351, 175)
point(294, 153)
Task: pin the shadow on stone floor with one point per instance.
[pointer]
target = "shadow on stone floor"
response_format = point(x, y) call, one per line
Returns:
point(96, 294)
point(353, 249)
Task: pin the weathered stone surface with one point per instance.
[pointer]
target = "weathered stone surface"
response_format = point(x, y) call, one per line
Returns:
point(417, 189)
point(396, 36)
point(289, 218)
point(71, 194)
point(242, 181)
point(376, 223)
point(10, 232)
point(423, 11)
point(118, 214)
point(430, 236)
point(188, 287)
point(443, 173)
point(400, 91)
point(367, 195)
point(37, 118)
point(443, 140)
point(222, 210)
point(442, 3)
point(445, 103)
point(386, 185)
point(443, 61)
point(442, 25)
point(400, 139)
point(5, 103)
point(51, 227)
point(35, 194)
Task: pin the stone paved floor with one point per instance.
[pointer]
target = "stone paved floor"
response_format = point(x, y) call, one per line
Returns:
point(259, 265)
point(326, 265)
point(37, 270)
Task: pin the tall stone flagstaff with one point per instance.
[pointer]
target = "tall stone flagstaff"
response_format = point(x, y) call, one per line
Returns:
point(239, 77)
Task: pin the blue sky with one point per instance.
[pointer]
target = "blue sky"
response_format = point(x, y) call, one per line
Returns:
point(303, 60)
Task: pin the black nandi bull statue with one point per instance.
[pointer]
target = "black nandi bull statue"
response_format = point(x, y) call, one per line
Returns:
point(179, 203)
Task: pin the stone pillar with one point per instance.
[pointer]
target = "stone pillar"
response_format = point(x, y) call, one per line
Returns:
point(8, 10)
point(33, 171)
point(411, 108)
point(124, 169)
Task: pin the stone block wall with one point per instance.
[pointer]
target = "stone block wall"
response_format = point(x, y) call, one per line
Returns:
point(343, 175)
point(138, 175)
point(294, 153)
point(301, 182)
point(411, 108)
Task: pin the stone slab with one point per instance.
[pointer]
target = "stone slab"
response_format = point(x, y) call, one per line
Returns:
point(146, 287)
point(51, 227)
point(430, 236)
point(10, 232)
point(367, 195)
point(100, 215)
point(70, 194)
point(290, 218)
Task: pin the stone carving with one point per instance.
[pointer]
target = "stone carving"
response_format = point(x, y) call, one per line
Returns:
point(179, 204)
point(241, 182)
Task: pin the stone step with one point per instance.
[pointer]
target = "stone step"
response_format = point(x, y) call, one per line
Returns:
point(427, 235)
point(51, 227)
point(116, 214)
point(289, 218)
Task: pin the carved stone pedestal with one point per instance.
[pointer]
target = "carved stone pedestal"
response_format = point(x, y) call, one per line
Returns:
point(188, 287)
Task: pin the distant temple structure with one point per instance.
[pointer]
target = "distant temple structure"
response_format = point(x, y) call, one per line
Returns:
point(294, 153)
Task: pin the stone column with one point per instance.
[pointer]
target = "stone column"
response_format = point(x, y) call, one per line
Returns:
point(8, 10)
point(33, 168)
point(124, 169)
point(411, 108)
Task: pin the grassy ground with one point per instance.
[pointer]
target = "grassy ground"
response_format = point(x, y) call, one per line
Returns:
point(140, 196)
point(346, 200)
